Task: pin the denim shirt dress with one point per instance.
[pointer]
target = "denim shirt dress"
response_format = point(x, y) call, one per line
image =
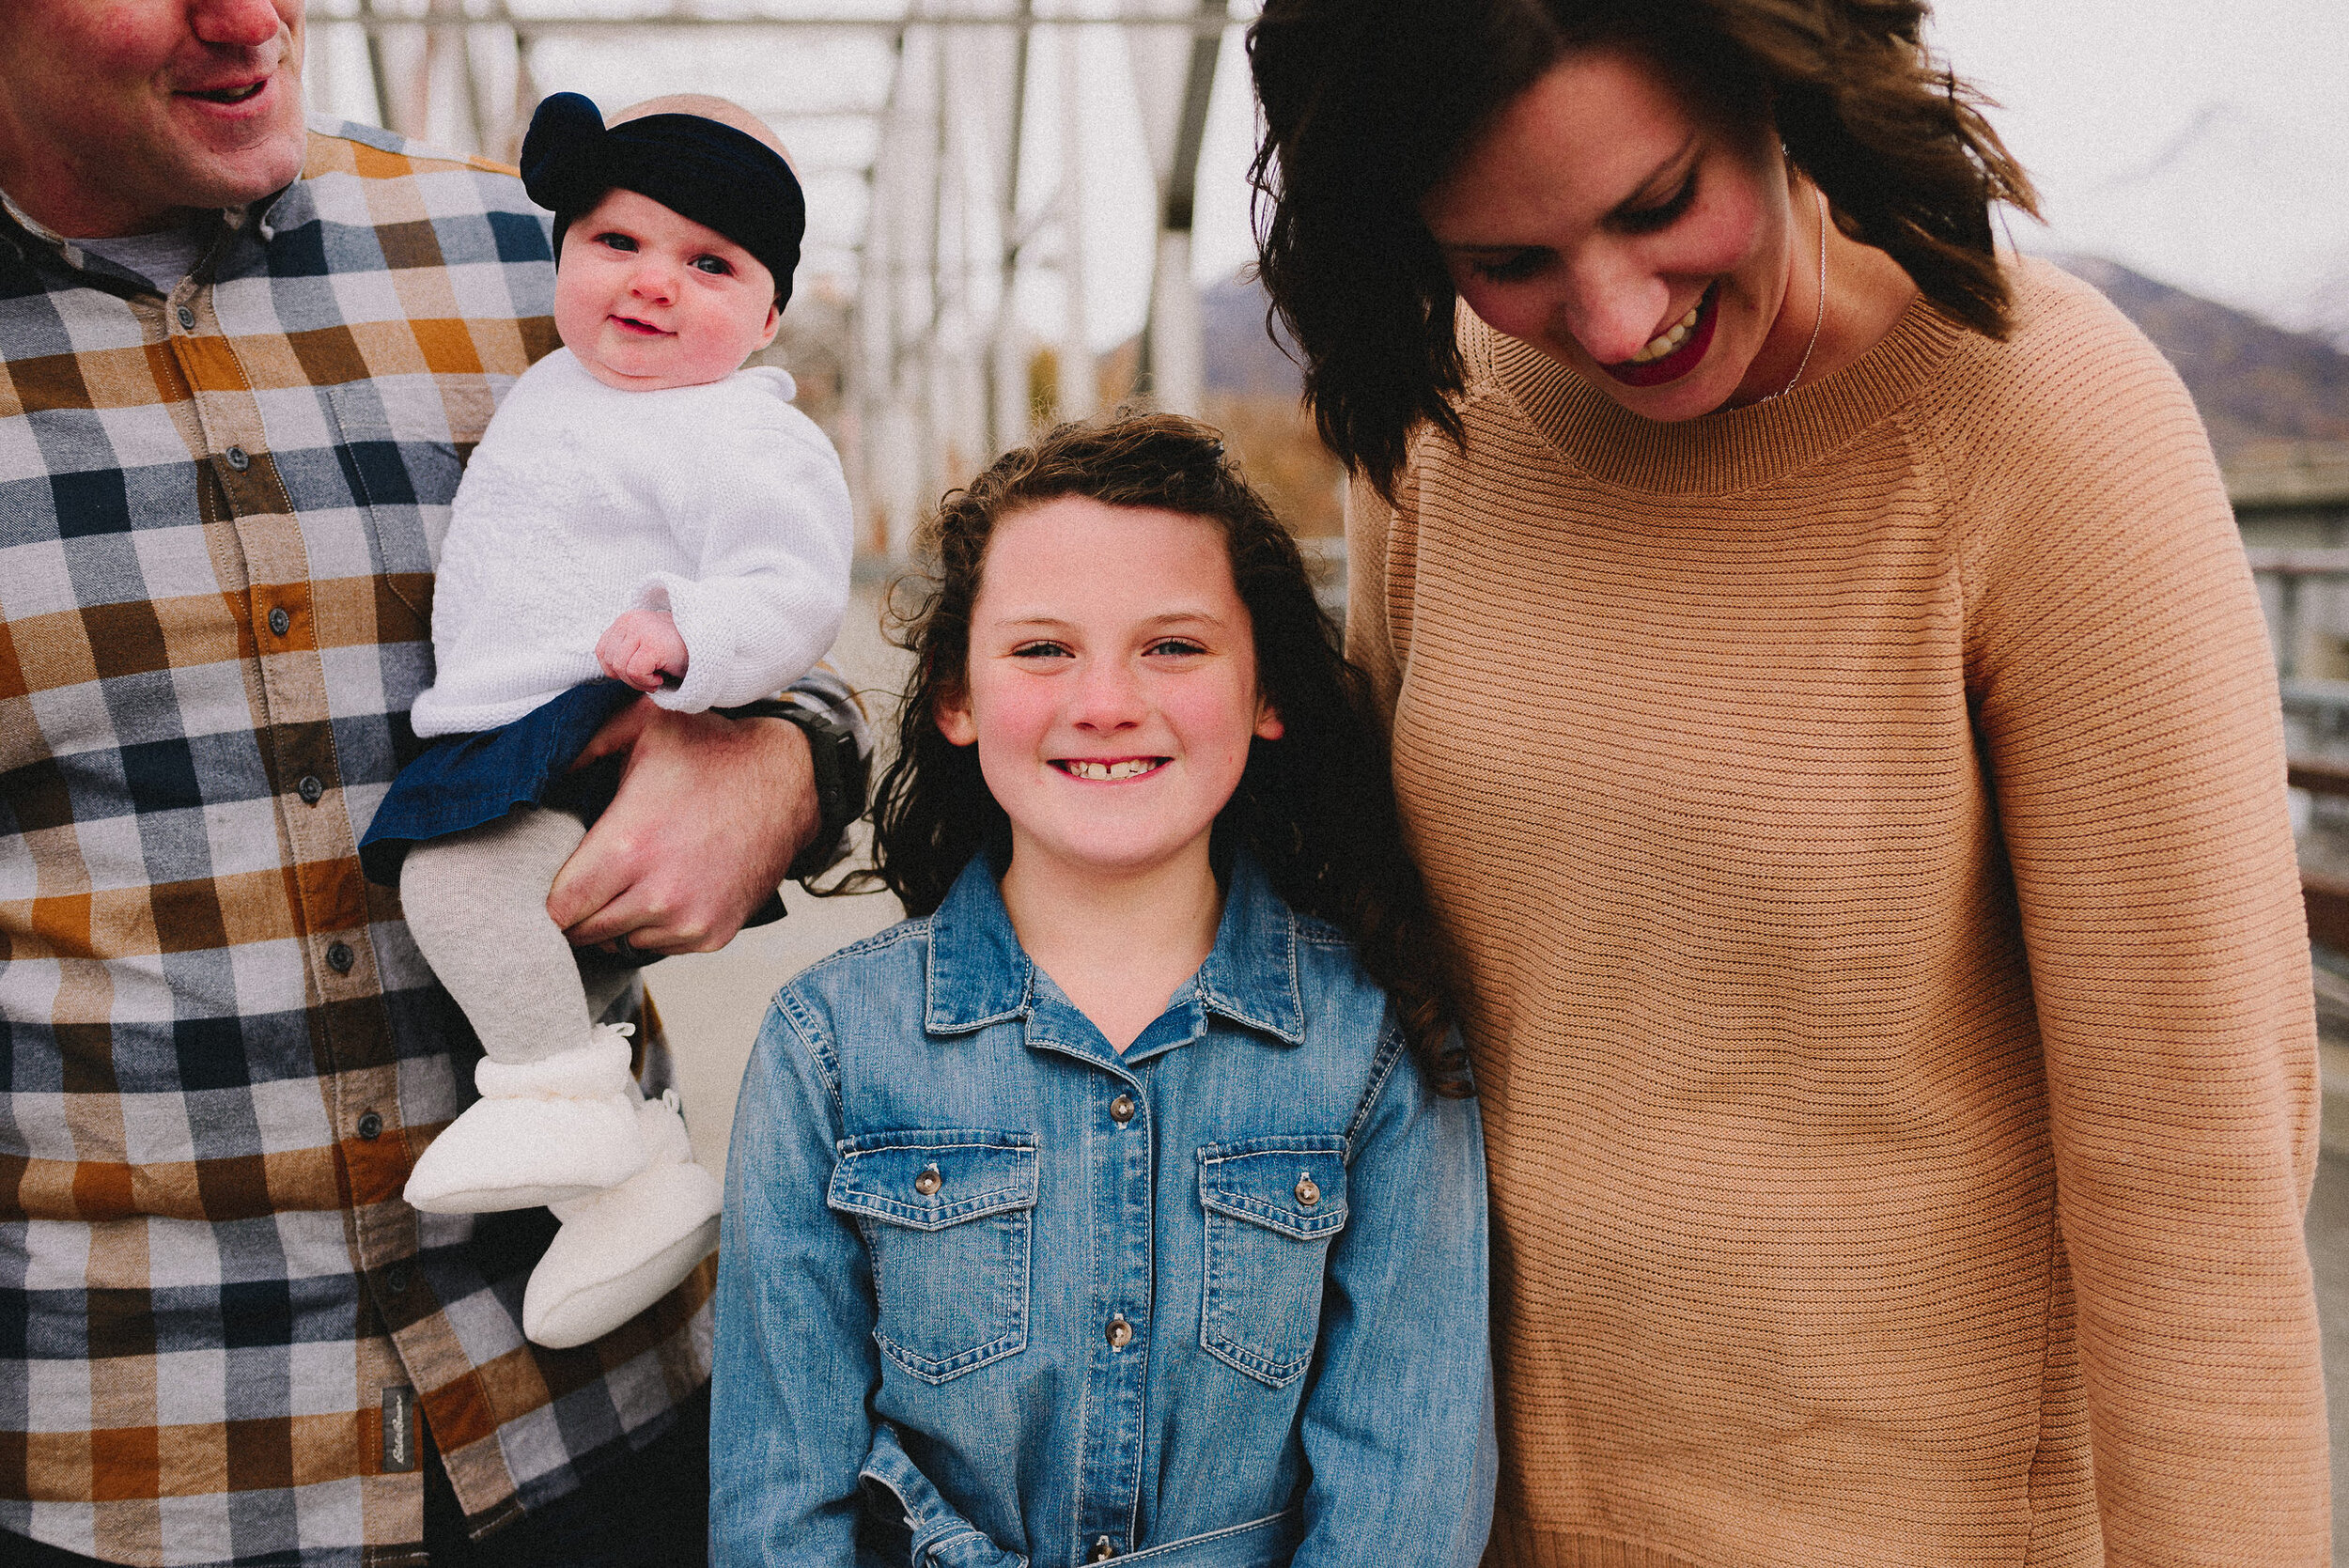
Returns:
point(991, 1294)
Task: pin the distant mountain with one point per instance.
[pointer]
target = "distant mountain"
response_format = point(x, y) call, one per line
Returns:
point(1240, 359)
point(2254, 383)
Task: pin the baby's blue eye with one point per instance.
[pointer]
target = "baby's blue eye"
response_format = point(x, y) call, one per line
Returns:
point(616, 242)
point(715, 265)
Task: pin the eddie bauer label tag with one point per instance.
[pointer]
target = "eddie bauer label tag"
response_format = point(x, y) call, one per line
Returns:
point(399, 1429)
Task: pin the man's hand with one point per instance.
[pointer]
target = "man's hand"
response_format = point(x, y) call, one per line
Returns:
point(641, 648)
point(710, 812)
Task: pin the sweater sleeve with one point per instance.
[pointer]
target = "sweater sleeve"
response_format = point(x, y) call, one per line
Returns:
point(768, 508)
point(2126, 704)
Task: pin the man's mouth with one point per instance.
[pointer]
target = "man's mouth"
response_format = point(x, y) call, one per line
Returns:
point(1675, 350)
point(228, 95)
point(1108, 771)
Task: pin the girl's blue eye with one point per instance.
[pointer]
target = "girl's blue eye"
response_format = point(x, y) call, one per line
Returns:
point(716, 266)
point(1039, 650)
point(1175, 646)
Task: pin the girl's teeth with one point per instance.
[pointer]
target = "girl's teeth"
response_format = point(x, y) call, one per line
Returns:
point(1109, 771)
point(1658, 347)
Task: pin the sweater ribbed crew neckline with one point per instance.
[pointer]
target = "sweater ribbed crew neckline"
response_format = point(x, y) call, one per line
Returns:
point(1737, 449)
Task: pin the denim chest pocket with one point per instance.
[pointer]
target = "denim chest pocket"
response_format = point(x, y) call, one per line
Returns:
point(1273, 1206)
point(946, 1217)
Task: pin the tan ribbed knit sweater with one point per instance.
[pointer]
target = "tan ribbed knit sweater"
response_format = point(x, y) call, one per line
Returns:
point(1862, 817)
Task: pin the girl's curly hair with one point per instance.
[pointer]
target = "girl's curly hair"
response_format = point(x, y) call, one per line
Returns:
point(1369, 105)
point(1317, 808)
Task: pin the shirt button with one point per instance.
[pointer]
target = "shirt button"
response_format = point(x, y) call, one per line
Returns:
point(238, 459)
point(1122, 1109)
point(312, 790)
point(279, 622)
point(339, 957)
point(1308, 1191)
point(395, 1279)
point(1120, 1332)
point(371, 1126)
point(187, 318)
point(929, 1182)
point(1102, 1551)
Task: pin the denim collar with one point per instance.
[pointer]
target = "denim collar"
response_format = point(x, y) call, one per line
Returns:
point(980, 975)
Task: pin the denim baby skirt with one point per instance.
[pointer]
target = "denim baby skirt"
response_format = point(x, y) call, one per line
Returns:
point(463, 781)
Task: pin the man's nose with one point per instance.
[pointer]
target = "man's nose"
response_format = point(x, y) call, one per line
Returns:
point(235, 24)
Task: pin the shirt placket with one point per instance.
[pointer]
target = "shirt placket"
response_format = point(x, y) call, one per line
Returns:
point(325, 892)
point(1117, 1363)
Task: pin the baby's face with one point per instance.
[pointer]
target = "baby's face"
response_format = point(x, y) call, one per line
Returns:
point(647, 298)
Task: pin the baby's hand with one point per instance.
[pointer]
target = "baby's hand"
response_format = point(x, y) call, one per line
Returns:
point(641, 648)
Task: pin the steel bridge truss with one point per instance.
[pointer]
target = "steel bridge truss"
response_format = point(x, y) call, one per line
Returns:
point(941, 200)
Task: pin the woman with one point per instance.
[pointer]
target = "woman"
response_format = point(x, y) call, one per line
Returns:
point(1835, 719)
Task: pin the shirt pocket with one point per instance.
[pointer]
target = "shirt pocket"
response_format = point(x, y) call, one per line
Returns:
point(1272, 1206)
point(402, 449)
point(946, 1217)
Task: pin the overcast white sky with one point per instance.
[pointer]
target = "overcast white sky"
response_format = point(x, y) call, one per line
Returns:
point(2203, 142)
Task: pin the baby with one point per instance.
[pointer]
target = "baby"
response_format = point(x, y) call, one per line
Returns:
point(644, 515)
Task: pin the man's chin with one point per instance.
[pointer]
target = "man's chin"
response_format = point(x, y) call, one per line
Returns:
point(229, 160)
point(237, 177)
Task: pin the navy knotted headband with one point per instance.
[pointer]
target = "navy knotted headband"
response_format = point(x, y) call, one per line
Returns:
point(719, 177)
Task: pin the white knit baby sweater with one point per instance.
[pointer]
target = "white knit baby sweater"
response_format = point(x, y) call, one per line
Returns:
point(721, 503)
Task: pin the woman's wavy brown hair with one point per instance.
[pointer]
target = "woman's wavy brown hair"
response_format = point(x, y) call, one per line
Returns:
point(1369, 103)
point(1316, 807)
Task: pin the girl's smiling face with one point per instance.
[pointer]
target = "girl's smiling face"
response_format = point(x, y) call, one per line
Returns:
point(1639, 243)
point(1111, 688)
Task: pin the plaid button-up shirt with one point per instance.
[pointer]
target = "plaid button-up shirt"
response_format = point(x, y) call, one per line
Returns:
point(218, 1321)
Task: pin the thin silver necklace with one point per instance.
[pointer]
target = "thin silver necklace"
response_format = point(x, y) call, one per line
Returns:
point(1817, 321)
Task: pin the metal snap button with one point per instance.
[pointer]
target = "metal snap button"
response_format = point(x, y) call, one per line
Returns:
point(371, 1126)
point(187, 318)
point(313, 790)
point(1122, 1109)
point(238, 459)
point(1308, 1191)
point(1120, 1332)
point(280, 622)
point(339, 957)
point(929, 1182)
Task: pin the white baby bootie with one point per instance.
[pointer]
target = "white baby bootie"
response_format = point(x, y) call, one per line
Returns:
point(542, 1132)
point(620, 1251)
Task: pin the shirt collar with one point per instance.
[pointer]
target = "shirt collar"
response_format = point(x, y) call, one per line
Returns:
point(290, 208)
point(980, 975)
point(286, 208)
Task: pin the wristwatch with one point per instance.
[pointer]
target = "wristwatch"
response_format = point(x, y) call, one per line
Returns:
point(843, 776)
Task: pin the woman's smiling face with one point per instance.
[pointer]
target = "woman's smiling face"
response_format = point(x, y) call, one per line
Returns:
point(1646, 246)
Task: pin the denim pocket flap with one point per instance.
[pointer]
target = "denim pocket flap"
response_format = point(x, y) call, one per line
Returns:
point(928, 1180)
point(1295, 1186)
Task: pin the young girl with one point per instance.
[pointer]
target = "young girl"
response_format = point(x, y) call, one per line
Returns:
point(1127, 1202)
